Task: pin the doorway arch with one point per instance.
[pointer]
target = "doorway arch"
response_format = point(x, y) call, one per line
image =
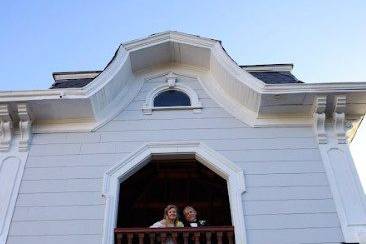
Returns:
point(182, 181)
point(211, 159)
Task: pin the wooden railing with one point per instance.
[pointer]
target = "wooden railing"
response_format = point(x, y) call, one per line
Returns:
point(184, 235)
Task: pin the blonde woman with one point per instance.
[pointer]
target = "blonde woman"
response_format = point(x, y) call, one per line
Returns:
point(170, 218)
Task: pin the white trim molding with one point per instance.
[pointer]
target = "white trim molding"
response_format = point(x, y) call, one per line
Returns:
point(320, 103)
point(6, 126)
point(13, 155)
point(25, 124)
point(342, 175)
point(228, 170)
point(12, 163)
point(339, 118)
point(171, 84)
point(235, 89)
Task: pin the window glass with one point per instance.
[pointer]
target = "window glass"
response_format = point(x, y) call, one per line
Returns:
point(172, 98)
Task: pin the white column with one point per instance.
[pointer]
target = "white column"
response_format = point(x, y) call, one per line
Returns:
point(341, 172)
point(13, 155)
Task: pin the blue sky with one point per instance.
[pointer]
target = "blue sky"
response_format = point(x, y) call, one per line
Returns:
point(326, 40)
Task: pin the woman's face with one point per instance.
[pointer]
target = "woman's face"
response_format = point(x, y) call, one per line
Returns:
point(190, 214)
point(172, 214)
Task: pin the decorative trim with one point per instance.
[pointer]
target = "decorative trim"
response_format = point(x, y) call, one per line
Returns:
point(225, 168)
point(315, 88)
point(319, 124)
point(268, 67)
point(340, 103)
point(339, 127)
point(320, 103)
point(346, 190)
point(163, 37)
point(342, 176)
point(234, 88)
point(171, 84)
point(80, 93)
point(25, 130)
point(171, 79)
point(12, 165)
point(6, 126)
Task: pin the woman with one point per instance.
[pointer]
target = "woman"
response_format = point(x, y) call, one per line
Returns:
point(170, 218)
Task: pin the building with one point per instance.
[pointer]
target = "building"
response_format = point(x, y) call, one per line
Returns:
point(264, 152)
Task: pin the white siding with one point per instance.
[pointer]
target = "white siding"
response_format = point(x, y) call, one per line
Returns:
point(288, 199)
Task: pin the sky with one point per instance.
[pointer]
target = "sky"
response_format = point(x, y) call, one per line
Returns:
point(325, 40)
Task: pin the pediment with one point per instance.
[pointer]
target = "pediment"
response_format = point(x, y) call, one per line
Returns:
point(170, 52)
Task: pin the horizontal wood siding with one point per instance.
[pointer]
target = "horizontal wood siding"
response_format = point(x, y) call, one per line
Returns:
point(55, 239)
point(288, 199)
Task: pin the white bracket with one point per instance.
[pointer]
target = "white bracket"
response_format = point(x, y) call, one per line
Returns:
point(340, 103)
point(319, 116)
point(6, 126)
point(25, 124)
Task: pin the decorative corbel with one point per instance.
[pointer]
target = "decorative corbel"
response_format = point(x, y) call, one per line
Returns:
point(319, 116)
point(25, 124)
point(339, 116)
point(6, 126)
point(171, 79)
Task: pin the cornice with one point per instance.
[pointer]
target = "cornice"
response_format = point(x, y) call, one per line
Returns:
point(231, 86)
point(336, 87)
point(73, 93)
point(34, 95)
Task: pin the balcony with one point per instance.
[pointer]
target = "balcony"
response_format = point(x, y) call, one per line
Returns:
point(185, 235)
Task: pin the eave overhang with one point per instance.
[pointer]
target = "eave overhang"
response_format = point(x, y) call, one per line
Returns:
point(246, 97)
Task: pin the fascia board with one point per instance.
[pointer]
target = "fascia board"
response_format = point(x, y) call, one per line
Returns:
point(32, 95)
point(336, 87)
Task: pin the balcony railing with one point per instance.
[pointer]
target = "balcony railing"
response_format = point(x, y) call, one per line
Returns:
point(184, 235)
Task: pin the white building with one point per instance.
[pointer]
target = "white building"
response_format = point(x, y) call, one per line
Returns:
point(180, 102)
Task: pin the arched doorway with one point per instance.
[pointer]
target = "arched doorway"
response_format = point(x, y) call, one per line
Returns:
point(210, 158)
point(180, 181)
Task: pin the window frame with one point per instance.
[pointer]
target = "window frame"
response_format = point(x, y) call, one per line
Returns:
point(149, 107)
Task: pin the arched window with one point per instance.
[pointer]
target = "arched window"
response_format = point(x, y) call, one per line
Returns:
point(171, 98)
point(164, 97)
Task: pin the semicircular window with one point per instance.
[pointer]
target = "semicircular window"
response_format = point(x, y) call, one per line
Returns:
point(172, 98)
